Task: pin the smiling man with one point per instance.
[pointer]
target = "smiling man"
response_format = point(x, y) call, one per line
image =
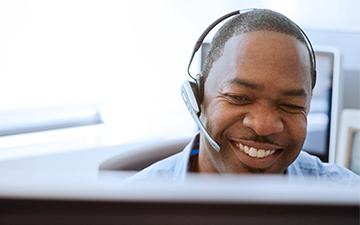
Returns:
point(256, 99)
point(255, 94)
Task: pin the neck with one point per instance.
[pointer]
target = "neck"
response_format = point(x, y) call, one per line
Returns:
point(204, 162)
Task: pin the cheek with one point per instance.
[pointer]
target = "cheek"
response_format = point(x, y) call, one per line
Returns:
point(296, 127)
point(217, 117)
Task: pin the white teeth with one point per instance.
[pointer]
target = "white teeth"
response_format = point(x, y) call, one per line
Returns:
point(246, 149)
point(255, 153)
point(260, 154)
point(252, 152)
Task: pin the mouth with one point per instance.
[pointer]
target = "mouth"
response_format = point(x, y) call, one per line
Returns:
point(254, 152)
point(256, 155)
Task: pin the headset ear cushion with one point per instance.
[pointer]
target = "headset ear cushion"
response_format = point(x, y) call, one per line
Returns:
point(200, 88)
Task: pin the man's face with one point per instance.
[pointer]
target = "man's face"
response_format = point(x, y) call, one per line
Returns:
point(256, 100)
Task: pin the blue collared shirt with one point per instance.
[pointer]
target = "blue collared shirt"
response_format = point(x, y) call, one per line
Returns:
point(176, 168)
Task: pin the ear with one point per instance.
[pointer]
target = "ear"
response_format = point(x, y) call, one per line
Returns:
point(200, 80)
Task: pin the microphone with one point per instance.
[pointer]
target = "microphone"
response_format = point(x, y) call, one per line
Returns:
point(188, 95)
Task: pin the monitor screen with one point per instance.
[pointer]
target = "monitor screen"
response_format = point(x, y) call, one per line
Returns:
point(323, 116)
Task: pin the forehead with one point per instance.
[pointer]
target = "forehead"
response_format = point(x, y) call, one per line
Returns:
point(264, 57)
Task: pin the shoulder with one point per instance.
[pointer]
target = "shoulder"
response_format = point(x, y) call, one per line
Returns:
point(163, 169)
point(172, 168)
point(309, 165)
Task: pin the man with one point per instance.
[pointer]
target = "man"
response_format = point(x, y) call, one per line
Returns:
point(258, 80)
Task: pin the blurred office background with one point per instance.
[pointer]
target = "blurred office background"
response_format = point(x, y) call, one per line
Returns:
point(78, 74)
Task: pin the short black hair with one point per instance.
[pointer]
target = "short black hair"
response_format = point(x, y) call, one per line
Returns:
point(255, 20)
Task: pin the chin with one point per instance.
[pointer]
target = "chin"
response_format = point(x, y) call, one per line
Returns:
point(262, 170)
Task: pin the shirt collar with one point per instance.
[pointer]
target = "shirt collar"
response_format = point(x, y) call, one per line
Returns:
point(182, 167)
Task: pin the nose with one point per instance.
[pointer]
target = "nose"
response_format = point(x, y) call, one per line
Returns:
point(264, 122)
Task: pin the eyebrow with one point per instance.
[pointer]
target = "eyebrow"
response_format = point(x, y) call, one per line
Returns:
point(246, 83)
point(294, 92)
point(291, 92)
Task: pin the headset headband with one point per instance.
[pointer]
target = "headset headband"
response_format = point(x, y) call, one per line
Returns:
point(237, 12)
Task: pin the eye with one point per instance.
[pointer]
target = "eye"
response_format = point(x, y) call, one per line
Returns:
point(237, 99)
point(291, 108)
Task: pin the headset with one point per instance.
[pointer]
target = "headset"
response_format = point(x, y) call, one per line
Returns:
point(192, 91)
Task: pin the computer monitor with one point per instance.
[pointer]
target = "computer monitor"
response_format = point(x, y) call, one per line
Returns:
point(325, 105)
point(246, 200)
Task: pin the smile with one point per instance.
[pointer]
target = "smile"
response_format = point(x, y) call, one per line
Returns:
point(255, 152)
